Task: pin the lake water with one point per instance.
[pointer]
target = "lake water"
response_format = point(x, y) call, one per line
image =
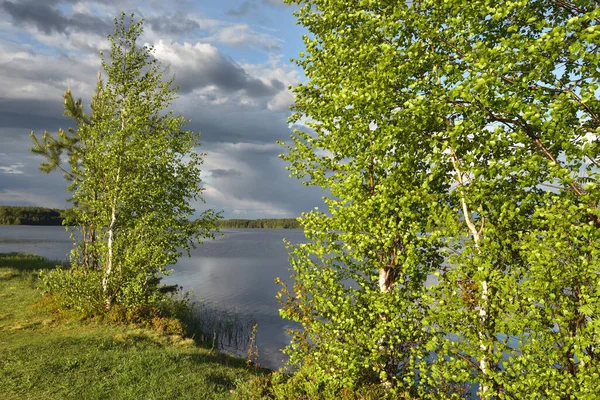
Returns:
point(236, 271)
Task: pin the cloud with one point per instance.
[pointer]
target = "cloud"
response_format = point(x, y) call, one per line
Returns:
point(49, 20)
point(177, 24)
point(285, 74)
point(21, 182)
point(14, 169)
point(27, 74)
point(248, 206)
point(233, 122)
point(243, 36)
point(275, 3)
point(202, 65)
point(223, 173)
point(233, 101)
point(31, 197)
point(243, 10)
point(262, 187)
point(233, 87)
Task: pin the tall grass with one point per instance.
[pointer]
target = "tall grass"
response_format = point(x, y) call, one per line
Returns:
point(218, 327)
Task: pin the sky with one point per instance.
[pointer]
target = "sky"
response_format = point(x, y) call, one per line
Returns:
point(231, 61)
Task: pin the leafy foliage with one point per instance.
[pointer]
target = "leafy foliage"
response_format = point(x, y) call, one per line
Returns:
point(135, 173)
point(459, 141)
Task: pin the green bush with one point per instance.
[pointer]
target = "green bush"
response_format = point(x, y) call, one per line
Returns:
point(168, 326)
point(74, 290)
point(116, 315)
point(142, 314)
point(305, 384)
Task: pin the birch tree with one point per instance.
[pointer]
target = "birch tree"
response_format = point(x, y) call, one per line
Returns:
point(457, 139)
point(359, 282)
point(137, 172)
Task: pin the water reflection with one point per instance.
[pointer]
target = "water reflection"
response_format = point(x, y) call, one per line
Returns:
point(238, 272)
point(52, 242)
point(235, 272)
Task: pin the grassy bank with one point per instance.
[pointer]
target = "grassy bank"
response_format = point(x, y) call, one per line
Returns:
point(44, 355)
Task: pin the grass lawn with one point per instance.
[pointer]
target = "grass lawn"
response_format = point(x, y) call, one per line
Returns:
point(45, 357)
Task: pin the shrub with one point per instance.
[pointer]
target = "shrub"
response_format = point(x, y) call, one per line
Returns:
point(116, 315)
point(305, 384)
point(75, 290)
point(168, 326)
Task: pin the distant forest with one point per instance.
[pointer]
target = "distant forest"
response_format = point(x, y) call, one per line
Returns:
point(17, 215)
point(270, 223)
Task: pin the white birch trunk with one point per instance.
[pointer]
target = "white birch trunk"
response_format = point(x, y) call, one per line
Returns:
point(111, 233)
point(385, 280)
point(109, 261)
point(484, 298)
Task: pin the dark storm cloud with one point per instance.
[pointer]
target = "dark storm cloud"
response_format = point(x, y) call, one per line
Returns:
point(31, 114)
point(265, 181)
point(28, 185)
point(201, 66)
point(28, 121)
point(49, 183)
point(243, 10)
point(42, 69)
point(234, 124)
point(223, 173)
point(172, 24)
point(50, 20)
point(222, 73)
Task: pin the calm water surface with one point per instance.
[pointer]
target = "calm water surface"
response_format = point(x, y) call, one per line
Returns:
point(236, 271)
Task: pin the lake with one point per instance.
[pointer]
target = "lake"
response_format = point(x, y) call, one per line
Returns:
point(236, 271)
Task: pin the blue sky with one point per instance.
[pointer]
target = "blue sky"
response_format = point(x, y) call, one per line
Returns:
point(231, 61)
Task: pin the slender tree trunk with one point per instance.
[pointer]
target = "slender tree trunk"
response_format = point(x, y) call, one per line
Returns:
point(111, 234)
point(386, 279)
point(93, 254)
point(109, 261)
point(386, 282)
point(85, 249)
point(484, 363)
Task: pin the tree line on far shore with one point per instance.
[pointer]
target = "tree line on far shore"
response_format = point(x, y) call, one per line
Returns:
point(269, 223)
point(26, 215)
point(21, 215)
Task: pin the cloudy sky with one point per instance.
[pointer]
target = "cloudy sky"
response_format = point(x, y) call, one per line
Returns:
point(231, 61)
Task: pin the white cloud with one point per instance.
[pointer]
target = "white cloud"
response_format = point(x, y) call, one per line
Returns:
point(241, 147)
point(13, 169)
point(82, 8)
point(242, 35)
point(29, 75)
point(285, 73)
point(199, 66)
point(238, 106)
point(282, 101)
point(226, 201)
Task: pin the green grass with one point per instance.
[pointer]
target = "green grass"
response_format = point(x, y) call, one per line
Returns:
point(44, 356)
